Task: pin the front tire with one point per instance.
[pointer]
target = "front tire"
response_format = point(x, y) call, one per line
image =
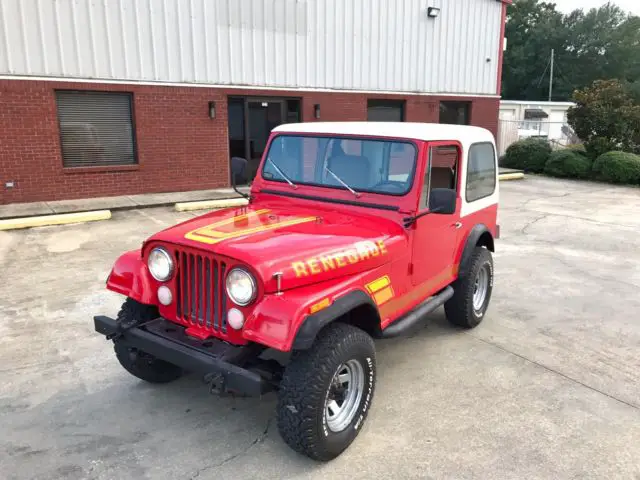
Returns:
point(472, 292)
point(326, 392)
point(138, 363)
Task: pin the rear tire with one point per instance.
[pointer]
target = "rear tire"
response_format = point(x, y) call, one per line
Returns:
point(326, 392)
point(472, 292)
point(138, 363)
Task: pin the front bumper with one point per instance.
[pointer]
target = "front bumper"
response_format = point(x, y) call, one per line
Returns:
point(167, 341)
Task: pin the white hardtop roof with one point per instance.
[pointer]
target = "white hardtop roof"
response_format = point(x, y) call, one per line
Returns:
point(416, 131)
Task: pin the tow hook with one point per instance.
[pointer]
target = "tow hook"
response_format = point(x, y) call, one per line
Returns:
point(120, 328)
point(217, 384)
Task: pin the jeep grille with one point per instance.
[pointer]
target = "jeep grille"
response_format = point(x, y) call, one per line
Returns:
point(200, 292)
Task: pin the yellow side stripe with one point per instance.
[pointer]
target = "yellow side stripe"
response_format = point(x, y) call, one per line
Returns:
point(378, 284)
point(383, 296)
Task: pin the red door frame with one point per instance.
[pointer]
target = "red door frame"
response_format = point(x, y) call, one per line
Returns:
point(433, 239)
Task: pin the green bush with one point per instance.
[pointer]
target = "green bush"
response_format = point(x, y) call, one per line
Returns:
point(599, 146)
point(529, 155)
point(568, 164)
point(618, 167)
point(577, 147)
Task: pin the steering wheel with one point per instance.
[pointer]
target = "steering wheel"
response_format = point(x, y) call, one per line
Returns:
point(390, 183)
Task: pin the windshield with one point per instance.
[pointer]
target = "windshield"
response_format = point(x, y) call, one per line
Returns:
point(355, 164)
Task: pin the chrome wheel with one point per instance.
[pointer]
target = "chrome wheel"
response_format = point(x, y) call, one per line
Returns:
point(480, 288)
point(344, 395)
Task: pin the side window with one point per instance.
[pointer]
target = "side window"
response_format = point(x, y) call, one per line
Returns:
point(442, 171)
point(481, 172)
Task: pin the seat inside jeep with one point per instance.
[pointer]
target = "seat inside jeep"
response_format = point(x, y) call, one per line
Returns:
point(444, 161)
point(442, 177)
point(354, 170)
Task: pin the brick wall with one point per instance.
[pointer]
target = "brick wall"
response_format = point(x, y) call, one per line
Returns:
point(178, 146)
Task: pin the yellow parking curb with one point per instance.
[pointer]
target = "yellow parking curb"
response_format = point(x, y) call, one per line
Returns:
point(208, 204)
point(511, 176)
point(61, 219)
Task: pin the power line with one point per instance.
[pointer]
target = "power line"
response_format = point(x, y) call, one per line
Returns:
point(544, 73)
point(551, 74)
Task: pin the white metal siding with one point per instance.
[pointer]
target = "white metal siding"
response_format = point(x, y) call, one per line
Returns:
point(336, 44)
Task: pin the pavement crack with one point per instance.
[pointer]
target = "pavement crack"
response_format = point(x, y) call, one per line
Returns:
point(590, 274)
point(597, 222)
point(526, 203)
point(258, 440)
point(564, 195)
point(523, 230)
point(557, 372)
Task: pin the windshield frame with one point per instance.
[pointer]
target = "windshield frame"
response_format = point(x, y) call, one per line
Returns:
point(298, 182)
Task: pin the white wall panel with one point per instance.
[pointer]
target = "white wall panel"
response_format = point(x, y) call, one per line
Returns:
point(336, 44)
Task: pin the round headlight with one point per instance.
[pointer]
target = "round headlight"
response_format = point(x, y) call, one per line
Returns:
point(241, 287)
point(160, 264)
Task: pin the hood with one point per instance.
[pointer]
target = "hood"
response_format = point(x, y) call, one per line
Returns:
point(306, 246)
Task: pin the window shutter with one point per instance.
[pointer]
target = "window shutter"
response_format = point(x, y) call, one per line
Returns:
point(385, 110)
point(95, 128)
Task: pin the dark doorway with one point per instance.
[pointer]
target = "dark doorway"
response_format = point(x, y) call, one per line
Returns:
point(455, 113)
point(385, 111)
point(251, 120)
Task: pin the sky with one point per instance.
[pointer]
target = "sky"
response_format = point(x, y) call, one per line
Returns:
point(566, 6)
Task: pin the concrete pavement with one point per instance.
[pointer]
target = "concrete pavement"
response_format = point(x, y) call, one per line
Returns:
point(547, 387)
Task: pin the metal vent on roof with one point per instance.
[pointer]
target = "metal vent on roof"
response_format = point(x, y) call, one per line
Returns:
point(95, 128)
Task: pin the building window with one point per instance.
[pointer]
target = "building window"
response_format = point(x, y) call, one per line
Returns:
point(96, 128)
point(455, 113)
point(385, 110)
point(481, 171)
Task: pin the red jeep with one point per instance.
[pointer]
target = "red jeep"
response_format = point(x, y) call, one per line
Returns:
point(353, 231)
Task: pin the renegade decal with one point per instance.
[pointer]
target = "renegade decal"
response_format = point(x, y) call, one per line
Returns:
point(381, 290)
point(325, 263)
point(238, 226)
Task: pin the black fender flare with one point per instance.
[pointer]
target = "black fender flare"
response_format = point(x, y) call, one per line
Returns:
point(479, 235)
point(312, 324)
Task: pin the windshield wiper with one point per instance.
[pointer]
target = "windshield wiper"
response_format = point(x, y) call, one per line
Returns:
point(288, 180)
point(356, 194)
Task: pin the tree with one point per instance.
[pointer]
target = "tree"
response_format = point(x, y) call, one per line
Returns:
point(602, 39)
point(533, 28)
point(598, 44)
point(606, 118)
point(634, 89)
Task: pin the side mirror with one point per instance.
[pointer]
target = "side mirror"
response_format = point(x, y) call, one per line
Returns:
point(443, 201)
point(238, 169)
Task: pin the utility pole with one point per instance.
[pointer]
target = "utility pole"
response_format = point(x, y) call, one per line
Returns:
point(553, 52)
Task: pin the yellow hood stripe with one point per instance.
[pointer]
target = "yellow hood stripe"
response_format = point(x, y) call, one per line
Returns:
point(210, 235)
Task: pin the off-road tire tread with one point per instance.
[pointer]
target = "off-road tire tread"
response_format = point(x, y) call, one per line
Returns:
point(303, 386)
point(157, 371)
point(459, 307)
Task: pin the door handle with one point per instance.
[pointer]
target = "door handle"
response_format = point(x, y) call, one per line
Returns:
point(457, 225)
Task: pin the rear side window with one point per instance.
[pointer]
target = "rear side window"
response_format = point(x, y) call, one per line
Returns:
point(481, 172)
